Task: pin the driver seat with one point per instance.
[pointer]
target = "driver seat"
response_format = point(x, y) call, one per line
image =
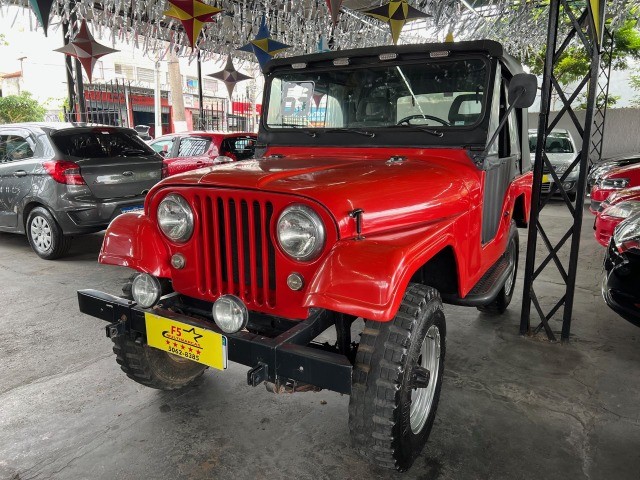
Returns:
point(456, 117)
point(374, 110)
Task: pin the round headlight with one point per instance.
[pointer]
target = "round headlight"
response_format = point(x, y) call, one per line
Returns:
point(175, 218)
point(230, 314)
point(146, 290)
point(301, 232)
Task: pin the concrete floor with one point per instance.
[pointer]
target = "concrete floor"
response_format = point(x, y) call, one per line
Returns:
point(511, 407)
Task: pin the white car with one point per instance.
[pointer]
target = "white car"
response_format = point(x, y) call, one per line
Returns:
point(561, 151)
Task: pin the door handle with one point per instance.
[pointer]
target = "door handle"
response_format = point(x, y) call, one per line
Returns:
point(19, 173)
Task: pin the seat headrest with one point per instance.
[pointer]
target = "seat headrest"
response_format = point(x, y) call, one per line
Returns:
point(455, 116)
point(373, 110)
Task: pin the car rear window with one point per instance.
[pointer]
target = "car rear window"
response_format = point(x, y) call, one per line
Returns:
point(242, 147)
point(100, 144)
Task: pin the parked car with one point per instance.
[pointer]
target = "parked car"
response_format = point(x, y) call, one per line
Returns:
point(616, 208)
point(614, 181)
point(605, 166)
point(187, 151)
point(561, 152)
point(622, 271)
point(387, 205)
point(59, 179)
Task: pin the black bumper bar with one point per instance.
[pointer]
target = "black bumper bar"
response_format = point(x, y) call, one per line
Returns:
point(285, 357)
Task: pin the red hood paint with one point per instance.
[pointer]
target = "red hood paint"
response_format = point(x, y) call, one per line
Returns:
point(429, 185)
point(632, 172)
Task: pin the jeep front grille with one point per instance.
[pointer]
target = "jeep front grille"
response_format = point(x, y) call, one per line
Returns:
point(235, 249)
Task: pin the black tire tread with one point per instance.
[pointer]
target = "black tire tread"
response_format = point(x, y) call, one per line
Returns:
point(377, 375)
point(134, 361)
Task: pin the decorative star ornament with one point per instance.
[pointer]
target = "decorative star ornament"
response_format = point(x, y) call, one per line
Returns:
point(230, 76)
point(86, 49)
point(334, 9)
point(42, 9)
point(263, 46)
point(395, 13)
point(192, 14)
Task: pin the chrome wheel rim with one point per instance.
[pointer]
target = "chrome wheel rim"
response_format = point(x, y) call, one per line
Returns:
point(422, 398)
point(508, 285)
point(41, 234)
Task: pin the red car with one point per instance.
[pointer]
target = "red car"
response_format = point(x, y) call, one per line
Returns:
point(616, 208)
point(190, 150)
point(616, 180)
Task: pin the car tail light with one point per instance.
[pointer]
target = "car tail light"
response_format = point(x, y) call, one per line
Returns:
point(64, 172)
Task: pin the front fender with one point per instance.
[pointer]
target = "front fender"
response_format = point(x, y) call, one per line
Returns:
point(367, 278)
point(132, 240)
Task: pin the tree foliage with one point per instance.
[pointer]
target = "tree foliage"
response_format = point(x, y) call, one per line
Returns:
point(20, 108)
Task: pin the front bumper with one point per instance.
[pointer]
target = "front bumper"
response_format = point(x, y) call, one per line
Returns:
point(290, 356)
point(620, 284)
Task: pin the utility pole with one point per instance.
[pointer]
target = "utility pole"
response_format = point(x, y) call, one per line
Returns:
point(177, 99)
point(157, 102)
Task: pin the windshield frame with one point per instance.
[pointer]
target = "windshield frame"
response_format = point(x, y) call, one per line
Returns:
point(490, 65)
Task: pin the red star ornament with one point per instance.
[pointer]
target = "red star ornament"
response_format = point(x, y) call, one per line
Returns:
point(86, 49)
point(192, 14)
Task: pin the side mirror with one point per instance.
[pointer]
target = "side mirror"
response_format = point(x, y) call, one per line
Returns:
point(522, 90)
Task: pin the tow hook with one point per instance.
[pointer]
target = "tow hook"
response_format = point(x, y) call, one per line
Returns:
point(290, 386)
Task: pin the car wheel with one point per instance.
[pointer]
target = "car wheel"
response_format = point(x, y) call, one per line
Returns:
point(397, 379)
point(499, 305)
point(154, 368)
point(45, 235)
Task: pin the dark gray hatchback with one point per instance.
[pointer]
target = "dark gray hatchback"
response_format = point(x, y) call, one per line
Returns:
point(60, 179)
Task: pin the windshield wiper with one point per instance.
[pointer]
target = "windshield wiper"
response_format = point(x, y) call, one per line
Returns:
point(435, 133)
point(297, 127)
point(351, 130)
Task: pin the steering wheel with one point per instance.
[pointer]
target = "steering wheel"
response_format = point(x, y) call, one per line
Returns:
point(427, 117)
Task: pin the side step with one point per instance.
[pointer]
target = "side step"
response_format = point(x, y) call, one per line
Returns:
point(487, 288)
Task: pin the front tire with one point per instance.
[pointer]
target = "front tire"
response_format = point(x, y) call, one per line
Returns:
point(45, 235)
point(389, 419)
point(154, 368)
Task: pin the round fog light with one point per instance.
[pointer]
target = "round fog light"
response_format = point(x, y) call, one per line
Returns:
point(567, 186)
point(295, 281)
point(146, 290)
point(230, 314)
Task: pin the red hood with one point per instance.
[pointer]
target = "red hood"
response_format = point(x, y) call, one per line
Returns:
point(624, 195)
point(631, 172)
point(427, 186)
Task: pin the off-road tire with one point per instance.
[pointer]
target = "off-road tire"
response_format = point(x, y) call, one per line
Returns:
point(499, 305)
point(154, 368)
point(380, 403)
point(59, 243)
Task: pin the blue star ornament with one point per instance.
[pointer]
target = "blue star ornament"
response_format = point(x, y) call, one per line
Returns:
point(263, 46)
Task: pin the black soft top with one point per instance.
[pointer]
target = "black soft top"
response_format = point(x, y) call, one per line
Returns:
point(487, 47)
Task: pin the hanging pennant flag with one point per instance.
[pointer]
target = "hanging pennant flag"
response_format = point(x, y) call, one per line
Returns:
point(192, 14)
point(396, 13)
point(86, 49)
point(230, 76)
point(42, 9)
point(263, 46)
point(323, 46)
point(334, 9)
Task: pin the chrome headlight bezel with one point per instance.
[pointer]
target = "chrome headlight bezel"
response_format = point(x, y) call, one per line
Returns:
point(183, 234)
point(622, 210)
point(626, 235)
point(316, 240)
point(614, 183)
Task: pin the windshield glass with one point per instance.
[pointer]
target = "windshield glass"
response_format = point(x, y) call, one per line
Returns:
point(556, 143)
point(446, 93)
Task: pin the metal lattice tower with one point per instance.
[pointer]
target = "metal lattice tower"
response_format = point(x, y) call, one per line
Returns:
point(602, 99)
point(584, 33)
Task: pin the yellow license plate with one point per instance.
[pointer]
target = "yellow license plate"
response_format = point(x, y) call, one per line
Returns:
point(186, 341)
point(545, 178)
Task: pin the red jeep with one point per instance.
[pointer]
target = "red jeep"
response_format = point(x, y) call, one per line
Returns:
point(192, 150)
point(388, 181)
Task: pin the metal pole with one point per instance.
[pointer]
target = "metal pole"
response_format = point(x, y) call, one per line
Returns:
point(80, 83)
point(157, 102)
point(200, 95)
point(545, 106)
point(582, 180)
point(71, 92)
